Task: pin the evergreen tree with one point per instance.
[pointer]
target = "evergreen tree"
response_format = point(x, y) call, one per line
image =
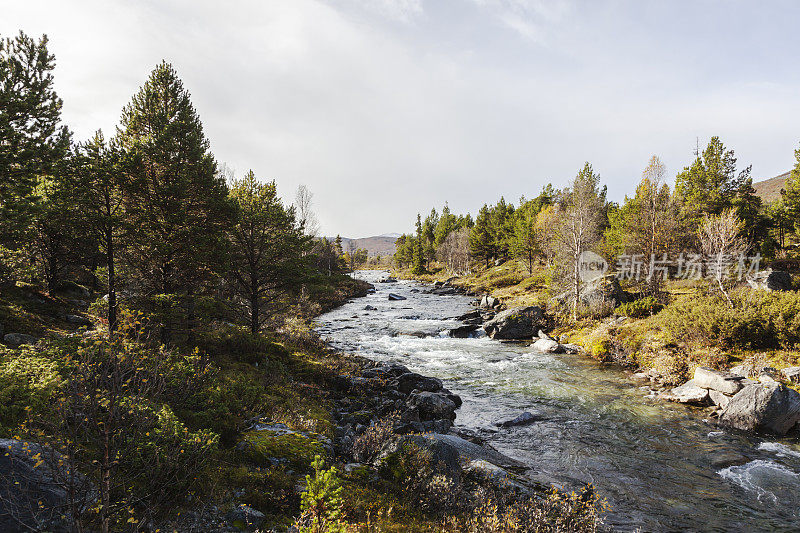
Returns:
point(419, 252)
point(791, 194)
point(175, 201)
point(98, 188)
point(31, 140)
point(266, 251)
point(481, 238)
point(709, 184)
point(749, 210)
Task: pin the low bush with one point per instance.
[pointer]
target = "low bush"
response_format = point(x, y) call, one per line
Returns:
point(640, 308)
point(757, 320)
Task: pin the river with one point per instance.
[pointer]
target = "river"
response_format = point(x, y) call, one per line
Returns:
point(660, 467)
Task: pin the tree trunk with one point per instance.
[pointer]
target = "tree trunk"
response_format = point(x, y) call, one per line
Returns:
point(112, 288)
point(254, 313)
point(190, 317)
point(577, 287)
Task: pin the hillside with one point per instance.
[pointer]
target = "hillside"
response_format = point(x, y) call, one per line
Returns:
point(382, 245)
point(770, 189)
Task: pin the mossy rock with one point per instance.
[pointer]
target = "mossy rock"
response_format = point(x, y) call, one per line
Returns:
point(265, 447)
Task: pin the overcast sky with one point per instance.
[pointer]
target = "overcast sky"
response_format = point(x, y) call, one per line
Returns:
point(385, 108)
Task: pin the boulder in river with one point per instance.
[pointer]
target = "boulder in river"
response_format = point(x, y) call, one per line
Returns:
point(396, 297)
point(769, 407)
point(463, 332)
point(548, 346)
point(724, 382)
point(521, 420)
point(517, 323)
point(410, 381)
point(432, 406)
point(689, 392)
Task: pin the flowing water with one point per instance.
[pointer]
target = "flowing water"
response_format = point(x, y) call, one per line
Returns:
point(659, 465)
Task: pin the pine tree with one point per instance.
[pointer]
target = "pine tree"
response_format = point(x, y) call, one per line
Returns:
point(791, 194)
point(419, 251)
point(481, 238)
point(175, 201)
point(709, 184)
point(31, 140)
point(98, 188)
point(266, 251)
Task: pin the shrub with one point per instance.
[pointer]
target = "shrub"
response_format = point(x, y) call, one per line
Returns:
point(757, 320)
point(27, 381)
point(640, 308)
point(558, 512)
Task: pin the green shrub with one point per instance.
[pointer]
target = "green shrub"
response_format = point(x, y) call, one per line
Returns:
point(27, 381)
point(757, 320)
point(322, 501)
point(640, 308)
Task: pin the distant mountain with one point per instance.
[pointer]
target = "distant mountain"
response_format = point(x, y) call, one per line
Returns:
point(382, 245)
point(770, 189)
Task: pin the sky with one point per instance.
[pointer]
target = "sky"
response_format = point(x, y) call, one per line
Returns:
point(387, 108)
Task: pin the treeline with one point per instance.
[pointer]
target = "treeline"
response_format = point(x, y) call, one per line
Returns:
point(713, 210)
point(148, 216)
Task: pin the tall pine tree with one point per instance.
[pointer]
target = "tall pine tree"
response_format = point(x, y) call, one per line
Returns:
point(175, 201)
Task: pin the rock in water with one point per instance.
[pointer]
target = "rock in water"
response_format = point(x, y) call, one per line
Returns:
point(432, 406)
point(522, 420)
point(548, 346)
point(463, 332)
point(769, 407)
point(410, 381)
point(689, 392)
point(724, 382)
point(394, 297)
point(517, 323)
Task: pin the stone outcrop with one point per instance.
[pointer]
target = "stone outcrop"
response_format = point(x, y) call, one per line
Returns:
point(724, 382)
point(18, 339)
point(517, 323)
point(689, 393)
point(770, 280)
point(768, 407)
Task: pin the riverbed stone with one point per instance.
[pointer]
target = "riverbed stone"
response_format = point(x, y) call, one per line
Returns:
point(719, 399)
point(689, 393)
point(463, 332)
point(523, 419)
point(548, 346)
point(432, 406)
point(724, 382)
point(517, 323)
point(411, 381)
point(768, 407)
point(396, 297)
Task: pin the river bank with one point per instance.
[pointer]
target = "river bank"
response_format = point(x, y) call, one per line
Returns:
point(660, 466)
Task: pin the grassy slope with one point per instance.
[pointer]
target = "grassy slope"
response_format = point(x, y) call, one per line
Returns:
point(285, 377)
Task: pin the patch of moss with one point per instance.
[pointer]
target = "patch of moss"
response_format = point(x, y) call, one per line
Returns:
point(265, 448)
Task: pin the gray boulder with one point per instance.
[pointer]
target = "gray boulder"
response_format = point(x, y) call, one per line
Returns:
point(245, 517)
point(768, 407)
point(521, 420)
point(78, 320)
point(604, 288)
point(432, 406)
point(770, 280)
point(443, 457)
point(724, 382)
point(33, 488)
point(719, 399)
point(689, 392)
point(463, 332)
point(396, 297)
point(18, 339)
point(548, 346)
point(516, 323)
point(792, 373)
point(410, 381)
